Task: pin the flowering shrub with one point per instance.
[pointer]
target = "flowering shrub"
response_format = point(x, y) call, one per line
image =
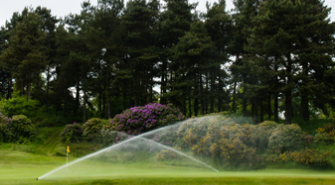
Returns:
point(309, 157)
point(285, 138)
point(325, 134)
point(165, 155)
point(5, 130)
point(91, 129)
point(72, 132)
point(219, 138)
point(17, 129)
point(137, 120)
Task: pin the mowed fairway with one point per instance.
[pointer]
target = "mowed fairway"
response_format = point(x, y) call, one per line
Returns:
point(18, 168)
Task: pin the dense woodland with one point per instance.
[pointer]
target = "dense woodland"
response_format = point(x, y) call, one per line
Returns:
point(257, 60)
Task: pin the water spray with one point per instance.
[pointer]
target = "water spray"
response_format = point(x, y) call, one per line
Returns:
point(126, 141)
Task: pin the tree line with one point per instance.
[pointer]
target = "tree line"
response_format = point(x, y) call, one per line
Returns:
point(261, 58)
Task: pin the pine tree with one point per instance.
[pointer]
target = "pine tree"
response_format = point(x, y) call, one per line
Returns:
point(218, 24)
point(175, 21)
point(24, 55)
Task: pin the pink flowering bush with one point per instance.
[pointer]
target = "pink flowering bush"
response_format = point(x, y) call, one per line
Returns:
point(141, 119)
point(72, 132)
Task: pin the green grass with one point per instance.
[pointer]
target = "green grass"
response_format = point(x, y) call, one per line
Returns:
point(18, 168)
point(22, 164)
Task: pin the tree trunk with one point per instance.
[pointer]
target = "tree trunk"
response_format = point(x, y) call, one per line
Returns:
point(201, 95)
point(288, 92)
point(151, 86)
point(244, 102)
point(262, 112)
point(84, 107)
point(189, 106)
point(196, 101)
point(108, 104)
point(64, 108)
point(28, 91)
point(206, 94)
point(212, 92)
point(48, 80)
point(234, 98)
point(124, 97)
point(99, 102)
point(77, 99)
point(219, 99)
point(304, 107)
point(234, 92)
point(9, 95)
point(255, 112)
point(275, 111)
point(269, 107)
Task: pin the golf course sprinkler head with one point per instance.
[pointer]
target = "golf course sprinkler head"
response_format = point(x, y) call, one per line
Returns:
point(37, 179)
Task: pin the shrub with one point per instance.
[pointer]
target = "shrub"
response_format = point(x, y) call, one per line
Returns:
point(219, 138)
point(22, 128)
point(165, 155)
point(5, 131)
point(285, 138)
point(137, 120)
point(262, 133)
point(72, 132)
point(92, 128)
point(307, 157)
point(18, 105)
point(325, 134)
point(17, 129)
point(311, 158)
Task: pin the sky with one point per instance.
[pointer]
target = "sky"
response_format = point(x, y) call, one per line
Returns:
point(61, 8)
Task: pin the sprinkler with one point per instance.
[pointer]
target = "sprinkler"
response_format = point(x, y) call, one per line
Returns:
point(37, 179)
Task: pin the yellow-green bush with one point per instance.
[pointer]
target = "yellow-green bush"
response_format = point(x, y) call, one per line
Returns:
point(92, 128)
point(326, 133)
point(165, 155)
point(220, 138)
point(285, 138)
point(308, 157)
point(311, 157)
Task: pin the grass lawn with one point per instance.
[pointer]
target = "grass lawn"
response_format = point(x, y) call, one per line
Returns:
point(20, 168)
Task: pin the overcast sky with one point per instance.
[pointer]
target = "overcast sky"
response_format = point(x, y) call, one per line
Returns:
point(61, 8)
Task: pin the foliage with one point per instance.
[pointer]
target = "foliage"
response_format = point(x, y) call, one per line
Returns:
point(222, 139)
point(263, 132)
point(18, 129)
point(138, 120)
point(72, 132)
point(165, 155)
point(326, 133)
point(92, 128)
point(285, 138)
point(309, 157)
point(18, 105)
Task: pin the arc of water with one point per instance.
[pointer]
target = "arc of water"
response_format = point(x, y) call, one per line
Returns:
point(118, 144)
point(181, 153)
